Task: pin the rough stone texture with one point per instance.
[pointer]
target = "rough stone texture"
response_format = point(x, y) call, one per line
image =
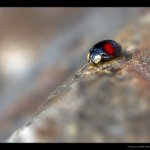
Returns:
point(108, 103)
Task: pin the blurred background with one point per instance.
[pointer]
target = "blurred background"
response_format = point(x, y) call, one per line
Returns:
point(41, 47)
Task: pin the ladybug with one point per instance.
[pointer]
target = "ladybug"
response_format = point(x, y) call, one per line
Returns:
point(103, 51)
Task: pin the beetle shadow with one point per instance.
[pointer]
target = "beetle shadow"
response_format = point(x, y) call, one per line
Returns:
point(126, 54)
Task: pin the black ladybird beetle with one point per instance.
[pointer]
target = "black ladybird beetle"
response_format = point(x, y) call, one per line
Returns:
point(104, 50)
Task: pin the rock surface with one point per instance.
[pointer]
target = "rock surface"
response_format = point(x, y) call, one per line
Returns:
point(108, 103)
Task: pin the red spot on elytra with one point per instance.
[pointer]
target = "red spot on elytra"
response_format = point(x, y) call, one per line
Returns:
point(109, 49)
